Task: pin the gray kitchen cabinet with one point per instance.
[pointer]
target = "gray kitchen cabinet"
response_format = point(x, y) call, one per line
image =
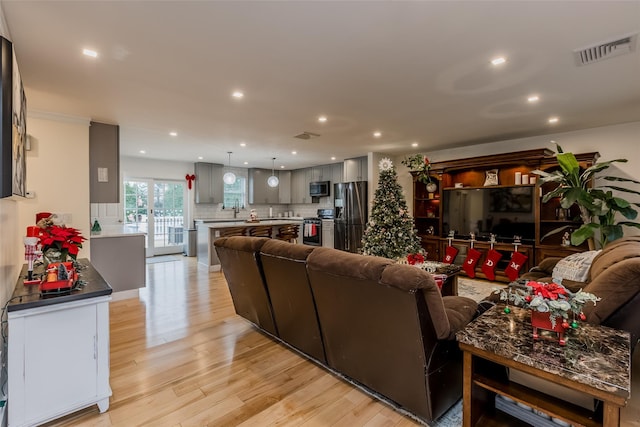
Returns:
point(261, 193)
point(284, 187)
point(316, 174)
point(104, 163)
point(208, 184)
point(297, 186)
point(337, 173)
point(355, 169)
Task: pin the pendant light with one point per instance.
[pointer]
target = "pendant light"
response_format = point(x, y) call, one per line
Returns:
point(273, 180)
point(229, 177)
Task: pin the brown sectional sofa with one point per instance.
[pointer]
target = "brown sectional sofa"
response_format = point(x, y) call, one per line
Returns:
point(382, 325)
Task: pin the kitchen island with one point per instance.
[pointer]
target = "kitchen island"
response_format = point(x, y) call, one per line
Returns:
point(209, 230)
point(118, 253)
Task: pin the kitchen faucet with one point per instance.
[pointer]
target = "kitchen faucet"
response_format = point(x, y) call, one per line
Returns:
point(236, 208)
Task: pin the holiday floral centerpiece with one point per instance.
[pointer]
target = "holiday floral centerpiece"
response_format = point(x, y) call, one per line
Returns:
point(552, 306)
point(59, 242)
point(419, 164)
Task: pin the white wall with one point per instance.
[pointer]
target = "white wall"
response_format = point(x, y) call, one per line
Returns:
point(11, 248)
point(58, 172)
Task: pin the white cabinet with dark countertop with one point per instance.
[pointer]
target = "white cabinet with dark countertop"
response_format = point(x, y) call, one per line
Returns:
point(58, 350)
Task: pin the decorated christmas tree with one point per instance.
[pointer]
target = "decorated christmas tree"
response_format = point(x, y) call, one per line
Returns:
point(390, 231)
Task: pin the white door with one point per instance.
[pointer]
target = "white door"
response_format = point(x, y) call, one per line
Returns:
point(157, 209)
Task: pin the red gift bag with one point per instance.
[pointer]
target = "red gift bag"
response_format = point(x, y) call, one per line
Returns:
point(450, 254)
point(471, 261)
point(490, 264)
point(515, 265)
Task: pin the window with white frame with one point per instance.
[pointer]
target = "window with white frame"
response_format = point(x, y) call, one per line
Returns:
point(235, 194)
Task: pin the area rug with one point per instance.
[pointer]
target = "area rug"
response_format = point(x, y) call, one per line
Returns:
point(477, 290)
point(164, 258)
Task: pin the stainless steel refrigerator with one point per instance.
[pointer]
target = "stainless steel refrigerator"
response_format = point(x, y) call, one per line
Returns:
point(350, 202)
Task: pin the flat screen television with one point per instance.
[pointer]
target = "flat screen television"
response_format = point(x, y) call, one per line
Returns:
point(504, 211)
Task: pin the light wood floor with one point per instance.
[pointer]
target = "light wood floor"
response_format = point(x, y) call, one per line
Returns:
point(181, 357)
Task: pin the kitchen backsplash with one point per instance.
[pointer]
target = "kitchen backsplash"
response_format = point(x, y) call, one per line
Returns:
point(215, 211)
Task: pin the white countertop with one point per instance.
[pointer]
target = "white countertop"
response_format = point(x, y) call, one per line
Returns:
point(273, 221)
point(238, 221)
point(118, 231)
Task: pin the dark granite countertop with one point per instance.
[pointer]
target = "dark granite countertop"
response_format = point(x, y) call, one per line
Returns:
point(594, 355)
point(29, 296)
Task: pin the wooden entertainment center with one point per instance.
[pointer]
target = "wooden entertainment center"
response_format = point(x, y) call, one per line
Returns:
point(506, 209)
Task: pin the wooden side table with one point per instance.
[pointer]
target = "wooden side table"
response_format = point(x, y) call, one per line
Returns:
point(596, 361)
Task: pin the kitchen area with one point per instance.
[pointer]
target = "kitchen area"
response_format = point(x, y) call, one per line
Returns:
point(328, 203)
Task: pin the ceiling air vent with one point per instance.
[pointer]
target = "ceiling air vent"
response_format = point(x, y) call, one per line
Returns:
point(307, 135)
point(606, 50)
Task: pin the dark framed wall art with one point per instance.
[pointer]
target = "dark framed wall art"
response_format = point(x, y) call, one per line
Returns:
point(13, 126)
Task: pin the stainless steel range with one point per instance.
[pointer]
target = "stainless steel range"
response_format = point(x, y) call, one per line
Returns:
point(312, 227)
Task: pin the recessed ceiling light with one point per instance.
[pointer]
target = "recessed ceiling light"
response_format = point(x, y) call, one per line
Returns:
point(89, 52)
point(415, 144)
point(377, 134)
point(246, 163)
point(499, 60)
point(173, 133)
point(281, 166)
point(333, 158)
point(143, 152)
point(243, 144)
point(294, 152)
point(200, 157)
point(322, 119)
point(553, 141)
point(553, 120)
point(238, 94)
point(533, 98)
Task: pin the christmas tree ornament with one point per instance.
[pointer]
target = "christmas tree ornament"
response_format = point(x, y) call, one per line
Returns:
point(507, 310)
point(574, 324)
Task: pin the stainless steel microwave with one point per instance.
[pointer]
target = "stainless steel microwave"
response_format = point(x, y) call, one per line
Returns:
point(319, 189)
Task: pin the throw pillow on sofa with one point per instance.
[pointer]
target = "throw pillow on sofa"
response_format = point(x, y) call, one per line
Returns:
point(574, 267)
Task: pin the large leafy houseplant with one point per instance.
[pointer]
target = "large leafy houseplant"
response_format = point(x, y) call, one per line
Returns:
point(598, 205)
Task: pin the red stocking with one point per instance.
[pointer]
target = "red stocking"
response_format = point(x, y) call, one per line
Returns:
point(450, 255)
point(515, 265)
point(470, 262)
point(490, 264)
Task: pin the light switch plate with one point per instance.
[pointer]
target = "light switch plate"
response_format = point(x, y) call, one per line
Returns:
point(103, 174)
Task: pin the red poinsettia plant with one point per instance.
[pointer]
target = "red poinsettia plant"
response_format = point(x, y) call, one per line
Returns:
point(414, 259)
point(66, 240)
point(550, 298)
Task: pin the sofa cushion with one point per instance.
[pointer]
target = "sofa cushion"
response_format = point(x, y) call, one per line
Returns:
point(460, 311)
point(448, 314)
point(615, 277)
point(280, 248)
point(574, 267)
point(240, 243)
point(347, 264)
